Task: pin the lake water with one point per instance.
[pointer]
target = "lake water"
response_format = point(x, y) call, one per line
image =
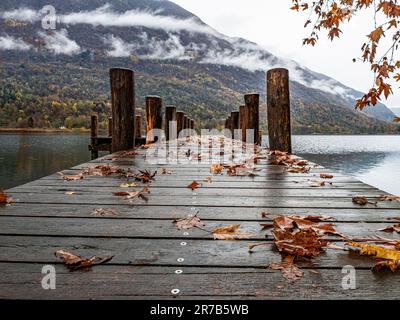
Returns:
point(372, 159)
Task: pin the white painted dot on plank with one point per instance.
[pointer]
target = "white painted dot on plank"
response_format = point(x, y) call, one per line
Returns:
point(180, 259)
point(175, 291)
point(183, 244)
point(178, 271)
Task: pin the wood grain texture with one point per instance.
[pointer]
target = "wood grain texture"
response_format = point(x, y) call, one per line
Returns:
point(278, 106)
point(123, 109)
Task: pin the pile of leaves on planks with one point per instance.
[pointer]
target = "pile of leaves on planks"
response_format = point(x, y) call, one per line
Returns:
point(292, 163)
point(297, 238)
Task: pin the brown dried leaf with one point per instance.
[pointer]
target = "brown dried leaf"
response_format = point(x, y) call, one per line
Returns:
point(319, 218)
point(207, 180)
point(229, 233)
point(326, 176)
point(74, 262)
point(389, 198)
point(289, 269)
point(166, 171)
point(191, 221)
point(103, 212)
point(394, 228)
point(75, 177)
point(146, 176)
point(194, 185)
point(362, 201)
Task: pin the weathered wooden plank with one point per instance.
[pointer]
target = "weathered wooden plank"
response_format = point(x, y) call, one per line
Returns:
point(180, 200)
point(130, 282)
point(204, 191)
point(165, 252)
point(208, 213)
point(149, 229)
point(274, 184)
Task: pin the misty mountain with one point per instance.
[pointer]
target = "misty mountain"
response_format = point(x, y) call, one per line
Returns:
point(174, 55)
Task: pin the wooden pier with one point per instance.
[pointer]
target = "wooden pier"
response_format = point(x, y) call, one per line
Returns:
point(86, 210)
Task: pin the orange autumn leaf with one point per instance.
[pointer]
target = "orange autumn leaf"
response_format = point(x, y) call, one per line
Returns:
point(326, 176)
point(229, 233)
point(194, 185)
point(4, 198)
point(216, 168)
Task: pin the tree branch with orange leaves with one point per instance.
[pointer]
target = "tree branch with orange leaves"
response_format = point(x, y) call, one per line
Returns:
point(331, 15)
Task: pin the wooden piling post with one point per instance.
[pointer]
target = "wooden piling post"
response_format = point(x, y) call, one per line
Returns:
point(278, 108)
point(153, 117)
point(110, 126)
point(93, 137)
point(138, 126)
point(192, 124)
point(252, 102)
point(243, 116)
point(180, 121)
point(234, 122)
point(123, 109)
point(170, 122)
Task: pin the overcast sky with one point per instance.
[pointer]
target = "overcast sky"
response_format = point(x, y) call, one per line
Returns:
point(273, 25)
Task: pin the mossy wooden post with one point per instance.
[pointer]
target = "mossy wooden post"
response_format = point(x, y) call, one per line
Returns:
point(278, 108)
point(170, 122)
point(243, 116)
point(252, 102)
point(110, 126)
point(180, 121)
point(234, 122)
point(153, 117)
point(123, 109)
point(138, 126)
point(93, 137)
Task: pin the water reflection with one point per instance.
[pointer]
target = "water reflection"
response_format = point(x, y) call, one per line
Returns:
point(26, 157)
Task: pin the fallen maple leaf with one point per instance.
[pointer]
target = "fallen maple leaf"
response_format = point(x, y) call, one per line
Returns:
point(362, 201)
point(394, 228)
point(216, 168)
point(165, 171)
point(75, 177)
point(128, 185)
point(74, 262)
point(229, 233)
point(4, 198)
point(325, 176)
point(191, 221)
point(145, 176)
point(390, 257)
point(103, 212)
point(322, 217)
point(194, 185)
point(134, 194)
point(389, 198)
point(207, 180)
point(289, 269)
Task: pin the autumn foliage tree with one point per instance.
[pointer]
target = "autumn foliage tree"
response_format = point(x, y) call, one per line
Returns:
point(330, 15)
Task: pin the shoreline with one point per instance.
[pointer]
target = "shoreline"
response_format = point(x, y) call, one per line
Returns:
point(42, 130)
